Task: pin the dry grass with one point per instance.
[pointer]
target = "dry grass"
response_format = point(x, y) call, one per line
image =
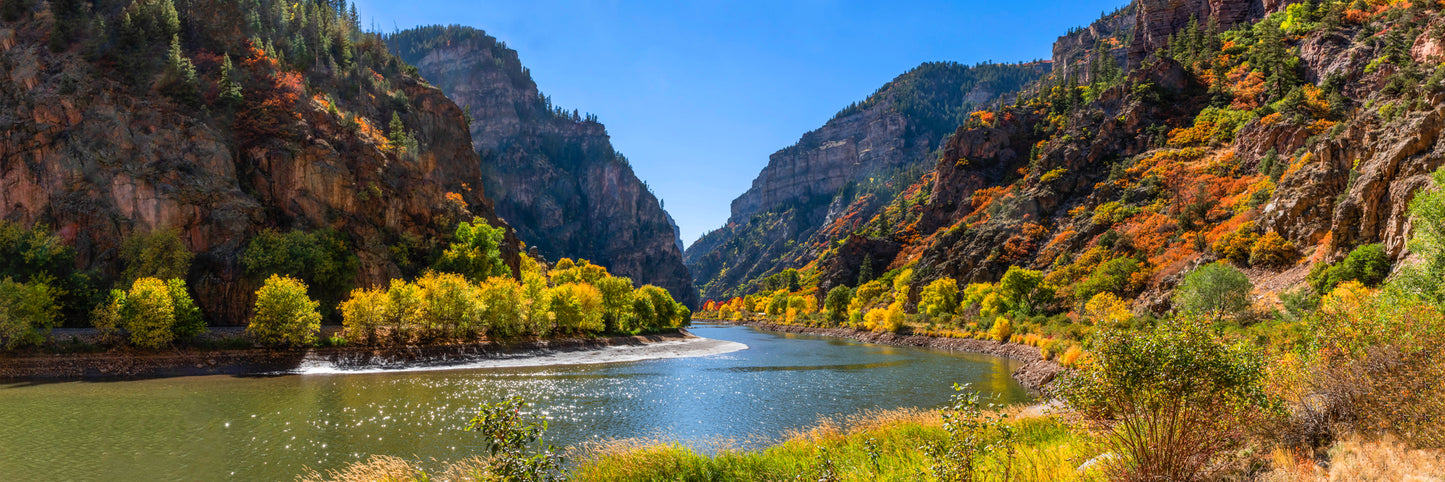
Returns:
point(386, 468)
point(1359, 459)
point(872, 446)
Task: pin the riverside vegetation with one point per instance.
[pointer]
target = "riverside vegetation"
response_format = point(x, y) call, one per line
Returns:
point(469, 295)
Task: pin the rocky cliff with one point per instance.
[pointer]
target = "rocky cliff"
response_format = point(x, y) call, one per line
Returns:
point(553, 174)
point(1173, 165)
point(861, 159)
point(1076, 52)
point(98, 145)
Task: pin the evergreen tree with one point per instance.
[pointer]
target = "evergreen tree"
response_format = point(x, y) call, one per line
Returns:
point(179, 80)
point(865, 270)
point(230, 90)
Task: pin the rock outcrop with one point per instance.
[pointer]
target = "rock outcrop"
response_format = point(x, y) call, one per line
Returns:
point(554, 175)
point(1156, 20)
point(1074, 53)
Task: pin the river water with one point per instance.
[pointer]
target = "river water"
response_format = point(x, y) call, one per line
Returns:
point(743, 389)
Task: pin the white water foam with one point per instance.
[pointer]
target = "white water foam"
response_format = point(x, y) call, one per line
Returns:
point(691, 347)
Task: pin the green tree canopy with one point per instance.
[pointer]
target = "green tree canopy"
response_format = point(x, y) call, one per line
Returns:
point(475, 252)
point(1216, 290)
point(321, 259)
point(157, 254)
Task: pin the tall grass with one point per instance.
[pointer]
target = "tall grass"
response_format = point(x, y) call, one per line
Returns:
point(877, 446)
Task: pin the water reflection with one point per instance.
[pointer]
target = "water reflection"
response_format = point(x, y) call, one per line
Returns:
point(269, 428)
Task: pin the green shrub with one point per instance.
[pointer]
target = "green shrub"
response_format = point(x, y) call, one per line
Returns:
point(1367, 264)
point(1169, 401)
point(476, 252)
point(976, 431)
point(1216, 290)
point(1113, 276)
point(159, 254)
point(515, 444)
point(36, 254)
point(616, 301)
point(284, 314)
point(28, 312)
point(188, 323)
point(836, 303)
point(320, 259)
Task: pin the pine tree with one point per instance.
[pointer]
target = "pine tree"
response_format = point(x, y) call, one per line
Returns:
point(230, 90)
point(865, 270)
point(180, 76)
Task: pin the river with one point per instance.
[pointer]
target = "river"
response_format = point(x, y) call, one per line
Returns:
point(273, 427)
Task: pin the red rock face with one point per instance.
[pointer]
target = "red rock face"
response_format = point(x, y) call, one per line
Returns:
point(99, 161)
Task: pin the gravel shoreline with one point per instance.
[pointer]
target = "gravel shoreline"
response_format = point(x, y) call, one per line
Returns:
point(1036, 373)
point(118, 364)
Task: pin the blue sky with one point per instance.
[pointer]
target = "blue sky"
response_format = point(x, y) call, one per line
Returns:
point(698, 94)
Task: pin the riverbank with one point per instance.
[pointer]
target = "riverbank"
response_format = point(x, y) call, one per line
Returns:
point(1036, 373)
point(125, 364)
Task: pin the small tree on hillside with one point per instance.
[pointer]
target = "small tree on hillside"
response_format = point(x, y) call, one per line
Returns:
point(1215, 290)
point(159, 254)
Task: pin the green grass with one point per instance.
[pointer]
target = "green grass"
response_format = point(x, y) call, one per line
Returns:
point(885, 446)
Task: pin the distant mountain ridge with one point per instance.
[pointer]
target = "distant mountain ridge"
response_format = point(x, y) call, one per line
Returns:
point(554, 174)
point(855, 157)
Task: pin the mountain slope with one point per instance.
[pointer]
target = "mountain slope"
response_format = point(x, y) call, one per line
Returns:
point(126, 117)
point(1275, 136)
point(851, 168)
point(554, 175)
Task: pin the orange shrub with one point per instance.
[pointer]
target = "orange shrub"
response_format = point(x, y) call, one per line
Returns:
point(1238, 245)
point(1272, 250)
